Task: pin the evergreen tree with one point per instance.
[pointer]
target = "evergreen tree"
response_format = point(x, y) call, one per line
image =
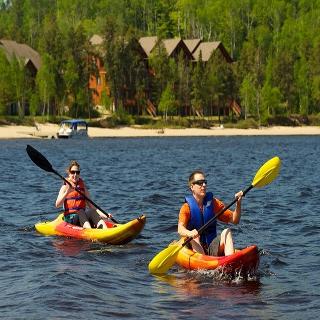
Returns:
point(199, 81)
point(163, 71)
point(183, 83)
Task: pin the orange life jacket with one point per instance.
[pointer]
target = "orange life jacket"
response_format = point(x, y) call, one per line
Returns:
point(74, 201)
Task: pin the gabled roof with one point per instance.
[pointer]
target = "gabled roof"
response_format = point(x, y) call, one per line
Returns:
point(148, 43)
point(207, 49)
point(175, 46)
point(136, 45)
point(96, 40)
point(171, 44)
point(192, 44)
point(21, 51)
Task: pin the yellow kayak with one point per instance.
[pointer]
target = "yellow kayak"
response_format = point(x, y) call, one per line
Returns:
point(117, 233)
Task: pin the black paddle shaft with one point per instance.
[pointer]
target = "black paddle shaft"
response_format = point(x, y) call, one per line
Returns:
point(206, 225)
point(41, 161)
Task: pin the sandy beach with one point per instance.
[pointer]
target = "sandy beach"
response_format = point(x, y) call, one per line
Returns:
point(49, 131)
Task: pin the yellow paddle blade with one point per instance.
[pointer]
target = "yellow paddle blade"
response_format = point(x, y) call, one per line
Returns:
point(165, 259)
point(267, 173)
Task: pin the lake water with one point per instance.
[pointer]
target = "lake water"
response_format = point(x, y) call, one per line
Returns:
point(59, 278)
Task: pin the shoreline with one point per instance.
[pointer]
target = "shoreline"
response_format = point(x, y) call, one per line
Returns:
point(49, 131)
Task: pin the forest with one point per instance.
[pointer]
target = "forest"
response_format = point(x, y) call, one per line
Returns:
point(275, 46)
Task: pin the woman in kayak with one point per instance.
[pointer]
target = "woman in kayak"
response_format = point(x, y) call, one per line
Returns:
point(75, 204)
point(198, 209)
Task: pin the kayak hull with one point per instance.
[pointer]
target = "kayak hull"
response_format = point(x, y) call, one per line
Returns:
point(244, 261)
point(115, 234)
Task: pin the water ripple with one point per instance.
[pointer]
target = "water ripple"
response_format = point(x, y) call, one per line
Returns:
point(60, 278)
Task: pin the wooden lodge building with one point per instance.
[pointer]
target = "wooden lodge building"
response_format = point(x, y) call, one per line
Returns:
point(30, 60)
point(191, 50)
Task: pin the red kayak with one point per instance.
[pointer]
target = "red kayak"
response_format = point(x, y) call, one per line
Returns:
point(245, 261)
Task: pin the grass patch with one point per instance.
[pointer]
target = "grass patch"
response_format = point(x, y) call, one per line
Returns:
point(29, 120)
point(242, 124)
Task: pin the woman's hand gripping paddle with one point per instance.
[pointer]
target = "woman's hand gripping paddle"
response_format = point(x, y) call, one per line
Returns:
point(166, 258)
point(45, 165)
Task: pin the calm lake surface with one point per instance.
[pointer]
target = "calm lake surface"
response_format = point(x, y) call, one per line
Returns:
point(59, 278)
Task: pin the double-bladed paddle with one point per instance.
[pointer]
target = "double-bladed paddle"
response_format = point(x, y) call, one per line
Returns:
point(40, 160)
point(166, 258)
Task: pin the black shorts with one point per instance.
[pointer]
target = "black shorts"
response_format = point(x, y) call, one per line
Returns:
point(89, 215)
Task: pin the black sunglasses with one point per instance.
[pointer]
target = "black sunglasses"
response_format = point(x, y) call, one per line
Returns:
point(75, 171)
point(200, 182)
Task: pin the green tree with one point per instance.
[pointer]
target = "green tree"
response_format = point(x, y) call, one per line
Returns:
point(111, 55)
point(183, 83)
point(270, 102)
point(315, 75)
point(21, 86)
point(271, 97)
point(199, 86)
point(80, 68)
point(167, 104)
point(248, 96)
point(46, 83)
point(6, 88)
point(283, 61)
point(134, 74)
point(165, 18)
point(220, 84)
point(303, 85)
point(163, 70)
point(34, 104)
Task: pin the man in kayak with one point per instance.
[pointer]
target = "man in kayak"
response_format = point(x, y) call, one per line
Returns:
point(75, 204)
point(198, 209)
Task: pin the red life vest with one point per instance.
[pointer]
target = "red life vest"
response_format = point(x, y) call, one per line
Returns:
point(74, 201)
